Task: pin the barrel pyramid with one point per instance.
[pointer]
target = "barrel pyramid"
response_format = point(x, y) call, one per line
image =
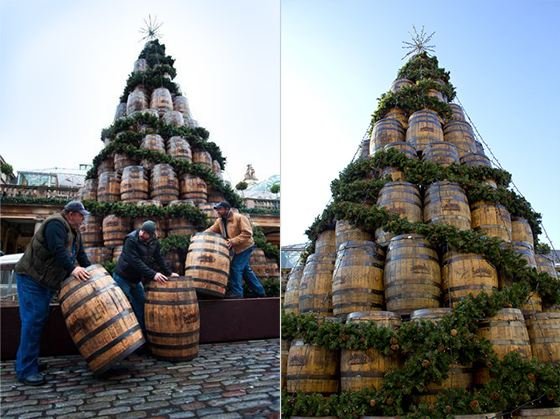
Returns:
point(422, 289)
point(157, 163)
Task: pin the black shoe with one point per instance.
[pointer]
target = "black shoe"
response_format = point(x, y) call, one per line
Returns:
point(34, 380)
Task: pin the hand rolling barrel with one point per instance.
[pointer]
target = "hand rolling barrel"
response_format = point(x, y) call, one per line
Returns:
point(172, 319)
point(99, 319)
point(207, 264)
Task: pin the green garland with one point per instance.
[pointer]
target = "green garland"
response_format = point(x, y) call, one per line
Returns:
point(154, 53)
point(261, 211)
point(422, 66)
point(128, 127)
point(323, 222)
point(123, 209)
point(7, 169)
point(175, 242)
point(269, 249)
point(151, 79)
point(180, 166)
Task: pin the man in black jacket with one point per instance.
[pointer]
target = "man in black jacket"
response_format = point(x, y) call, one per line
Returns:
point(54, 253)
point(140, 261)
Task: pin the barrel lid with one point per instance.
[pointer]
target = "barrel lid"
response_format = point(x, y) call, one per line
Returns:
point(372, 315)
point(430, 313)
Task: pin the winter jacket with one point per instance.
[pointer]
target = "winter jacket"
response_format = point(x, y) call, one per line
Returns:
point(53, 253)
point(237, 229)
point(140, 260)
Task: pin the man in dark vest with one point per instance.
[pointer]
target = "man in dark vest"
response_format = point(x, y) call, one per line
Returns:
point(140, 261)
point(54, 253)
point(237, 230)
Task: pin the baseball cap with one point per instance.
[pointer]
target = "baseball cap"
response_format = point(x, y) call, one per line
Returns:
point(223, 204)
point(76, 206)
point(148, 226)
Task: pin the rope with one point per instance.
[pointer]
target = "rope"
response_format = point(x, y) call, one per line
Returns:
point(496, 161)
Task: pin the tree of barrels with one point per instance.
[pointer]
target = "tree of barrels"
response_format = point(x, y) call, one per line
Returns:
point(420, 291)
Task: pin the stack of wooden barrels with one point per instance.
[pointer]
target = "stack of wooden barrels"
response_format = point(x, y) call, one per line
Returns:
point(386, 279)
point(123, 178)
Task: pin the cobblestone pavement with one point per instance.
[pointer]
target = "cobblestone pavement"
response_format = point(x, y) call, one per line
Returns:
point(226, 380)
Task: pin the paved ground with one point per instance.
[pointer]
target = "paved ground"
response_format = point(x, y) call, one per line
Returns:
point(230, 380)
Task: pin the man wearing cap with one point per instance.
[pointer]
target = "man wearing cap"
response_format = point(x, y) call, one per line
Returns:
point(237, 231)
point(140, 261)
point(54, 253)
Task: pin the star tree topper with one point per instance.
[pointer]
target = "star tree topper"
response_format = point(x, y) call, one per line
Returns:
point(419, 43)
point(150, 31)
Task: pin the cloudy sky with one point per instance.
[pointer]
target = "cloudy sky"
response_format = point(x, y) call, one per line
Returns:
point(339, 57)
point(65, 64)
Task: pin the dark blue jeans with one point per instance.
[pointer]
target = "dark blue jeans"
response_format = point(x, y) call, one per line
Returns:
point(240, 269)
point(34, 300)
point(135, 294)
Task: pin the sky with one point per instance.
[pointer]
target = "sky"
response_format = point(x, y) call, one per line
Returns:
point(65, 64)
point(339, 57)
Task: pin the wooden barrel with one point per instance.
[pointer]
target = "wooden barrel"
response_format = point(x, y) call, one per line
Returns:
point(207, 264)
point(446, 203)
point(457, 112)
point(115, 230)
point(326, 243)
point(98, 255)
point(164, 184)
point(120, 112)
point(214, 195)
point(181, 104)
point(437, 94)
point(217, 169)
point(140, 65)
point(180, 226)
point(366, 369)
point(194, 188)
point(458, 377)
point(547, 413)
point(491, 219)
point(521, 231)
point(386, 131)
point(398, 84)
point(90, 229)
point(399, 115)
point(311, 369)
point(109, 187)
point(136, 101)
point(402, 198)
point(106, 165)
point(161, 101)
point(122, 161)
point(117, 252)
point(152, 142)
point(134, 184)
point(442, 153)
point(172, 319)
point(176, 260)
point(173, 118)
point(526, 251)
point(315, 289)
point(466, 274)
point(179, 148)
point(479, 416)
point(202, 157)
point(461, 134)
point(284, 351)
point(396, 174)
point(345, 231)
point(533, 302)
point(544, 335)
point(99, 319)
point(478, 159)
point(546, 265)
point(207, 209)
point(506, 332)
point(424, 127)
point(291, 296)
point(412, 276)
point(357, 282)
point(479, 147)
point(89, 190)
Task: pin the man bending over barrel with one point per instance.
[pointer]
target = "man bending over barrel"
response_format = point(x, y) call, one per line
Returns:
point(237, 231)
point(140, 261)
point(54, 253)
